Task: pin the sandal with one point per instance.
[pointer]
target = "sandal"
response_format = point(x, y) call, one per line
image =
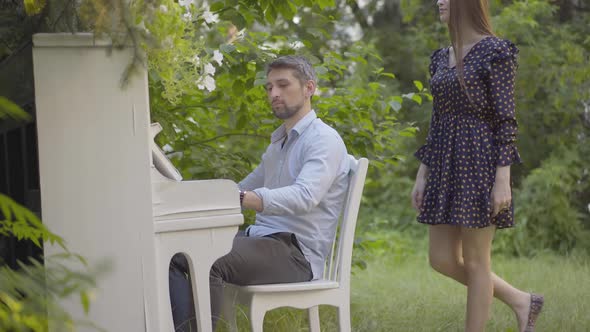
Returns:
point(537, 302)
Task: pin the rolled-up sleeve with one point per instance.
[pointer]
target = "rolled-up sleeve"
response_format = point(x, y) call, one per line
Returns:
point(322, 160)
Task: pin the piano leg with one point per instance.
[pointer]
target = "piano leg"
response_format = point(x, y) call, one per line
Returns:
point(202, 247)
point(165, 321)
point(201, 295)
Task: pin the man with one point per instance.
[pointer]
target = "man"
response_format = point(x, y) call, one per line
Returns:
point(297, 191)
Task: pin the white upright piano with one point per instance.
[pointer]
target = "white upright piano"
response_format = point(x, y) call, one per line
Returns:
point(108, 190)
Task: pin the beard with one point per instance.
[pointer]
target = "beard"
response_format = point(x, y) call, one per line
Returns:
point(283, 112)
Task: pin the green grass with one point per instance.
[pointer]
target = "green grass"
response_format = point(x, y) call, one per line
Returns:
point(406, 295)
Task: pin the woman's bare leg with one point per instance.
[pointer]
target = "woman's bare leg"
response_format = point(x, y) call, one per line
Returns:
point(477, 248)
point(446, 257)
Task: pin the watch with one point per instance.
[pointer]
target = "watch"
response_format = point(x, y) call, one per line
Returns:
point(242, 194)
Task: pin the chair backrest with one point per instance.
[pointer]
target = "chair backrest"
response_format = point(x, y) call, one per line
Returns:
point(339, 264)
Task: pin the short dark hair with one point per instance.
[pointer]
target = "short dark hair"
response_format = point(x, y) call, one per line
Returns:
point(302, 68)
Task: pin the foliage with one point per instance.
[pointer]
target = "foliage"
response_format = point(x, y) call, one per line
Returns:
point(549, 218)
point(10, 109)
point(395, 245)
point(364, 82)
point(30, 292)
point(552, 95)
point(553, 78)
point(222, 133)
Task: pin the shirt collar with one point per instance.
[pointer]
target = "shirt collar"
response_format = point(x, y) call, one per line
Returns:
point(299, 127)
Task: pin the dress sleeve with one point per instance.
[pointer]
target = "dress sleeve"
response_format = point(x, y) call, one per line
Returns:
point(501, 65)
point(424, 153)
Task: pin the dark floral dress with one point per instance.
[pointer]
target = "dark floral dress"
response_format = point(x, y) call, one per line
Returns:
point(472, 132)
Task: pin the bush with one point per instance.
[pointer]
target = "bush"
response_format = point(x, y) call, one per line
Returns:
point(547, 217)
point(32, 291)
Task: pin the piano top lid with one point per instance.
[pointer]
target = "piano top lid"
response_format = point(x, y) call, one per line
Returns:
point(176, 199)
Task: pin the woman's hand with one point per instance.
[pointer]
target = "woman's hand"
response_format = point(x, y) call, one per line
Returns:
point(501, 192)
point(419, 185)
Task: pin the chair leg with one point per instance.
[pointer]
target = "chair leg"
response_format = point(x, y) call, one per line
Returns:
point(314, 318)
point(229, 308)
point(257, 314)
point(344, 317)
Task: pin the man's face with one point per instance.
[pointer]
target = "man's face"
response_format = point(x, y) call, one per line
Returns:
point(285, 93)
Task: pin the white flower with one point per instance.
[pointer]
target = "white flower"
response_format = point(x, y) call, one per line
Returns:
point(217, 56)
point(187, 16)
point(196, 60)
point(297, 45)
point(209, 17)
point(209, 69)
point(163, 9)
point(167, 148)
point(191, 120)
point(207, 83)
point(185, 3)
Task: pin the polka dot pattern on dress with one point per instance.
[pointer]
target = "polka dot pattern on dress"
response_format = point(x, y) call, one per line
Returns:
point(472, 131)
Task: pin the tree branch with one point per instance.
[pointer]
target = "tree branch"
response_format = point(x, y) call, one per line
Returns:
point(183, 107)
point(229, 135)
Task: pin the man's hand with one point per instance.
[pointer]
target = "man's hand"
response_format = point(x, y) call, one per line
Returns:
point(501, 193)
point(418, 191)
point(252, 201)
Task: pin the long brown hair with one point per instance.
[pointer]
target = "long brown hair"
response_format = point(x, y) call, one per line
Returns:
point(472, 12)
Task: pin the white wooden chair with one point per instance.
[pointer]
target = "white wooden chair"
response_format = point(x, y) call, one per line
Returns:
point(333, 289)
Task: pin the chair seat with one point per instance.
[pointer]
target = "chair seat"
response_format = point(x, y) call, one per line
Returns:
point(290, 287)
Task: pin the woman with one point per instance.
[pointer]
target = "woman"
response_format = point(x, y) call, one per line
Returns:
point(462, 188)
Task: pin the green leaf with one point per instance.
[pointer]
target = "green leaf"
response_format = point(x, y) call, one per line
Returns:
point(374, 86)
point(10, 109)
point(34, 7)
point(326, 3)
point(85, 300)
point(5, 205)
point(234, 17)
point(417, 98)
point(227, 48)
point(419, 85)
point(217, 6)
point(238, 87)
point(271, 14)
point(286, 8)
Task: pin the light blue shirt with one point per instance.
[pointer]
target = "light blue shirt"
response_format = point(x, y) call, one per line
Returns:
point(302, 182)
